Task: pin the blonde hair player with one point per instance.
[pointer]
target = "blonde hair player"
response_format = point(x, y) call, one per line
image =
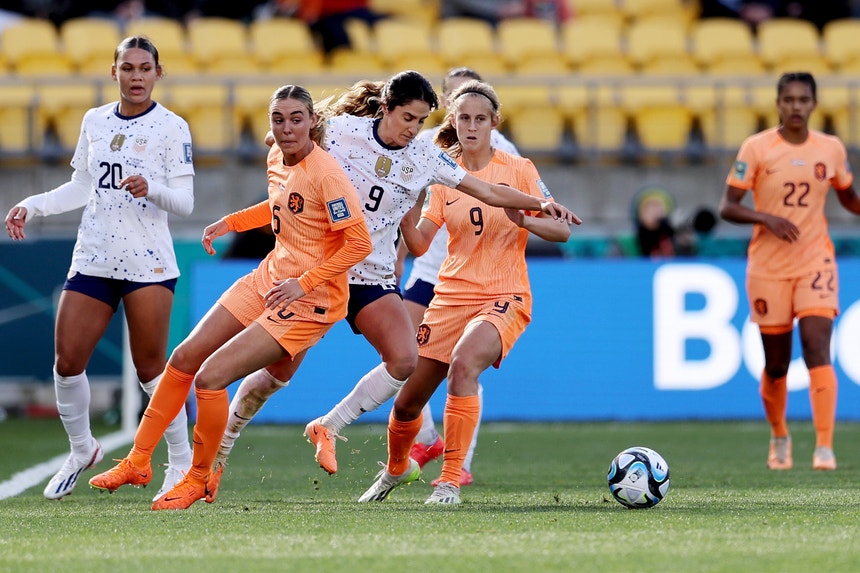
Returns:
point(466, 329)
point(275, 312)
point(371, 132)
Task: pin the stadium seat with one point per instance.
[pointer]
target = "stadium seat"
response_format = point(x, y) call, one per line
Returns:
point(215, 42)
point(783, 39)
point(585, 8)
point(31, 46)
point(90, 43)
point(519, 96)
point(357, 64)
point(716, 39)
point(16, 104)
point(284, 45)
point(205, 106)
point(462, 38)
point(401, 40)
point(635, 10)
point(537, 129)
point(585, 38)
point(425, 12)
point(649, 40)
point(546, 65)
point(168, 35)
point(251, 106)
point(842, 42)
point(62, 104)
point(724, 129)
point(522, 38)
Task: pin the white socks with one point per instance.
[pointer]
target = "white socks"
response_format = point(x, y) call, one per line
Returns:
point(252, 393)
point(176, 434)
point(73, 404)
point(374, 389)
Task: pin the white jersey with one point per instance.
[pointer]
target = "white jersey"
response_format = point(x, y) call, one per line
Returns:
point(426, 267)
point(121, 237)
point(389, 181)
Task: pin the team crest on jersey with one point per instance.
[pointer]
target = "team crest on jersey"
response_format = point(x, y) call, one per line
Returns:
point(740, 169)
point(820, 171)
point(338, 210)
point(423, 335)
point(186, 152)
point(543, 189)
point(296, 203)
point(406, 173)
point(140, 143)
point(760, 306)
point(117, 142)
point(383, 166)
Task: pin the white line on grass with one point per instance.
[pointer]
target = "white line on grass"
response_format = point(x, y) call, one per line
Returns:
point(24, 480)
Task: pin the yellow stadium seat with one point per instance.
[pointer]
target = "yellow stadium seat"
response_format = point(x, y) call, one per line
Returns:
point(601, 130)
point(168, 36)
point(537, 129)
point(16, 128)
point(846, 123)
point(724, 129)
point(716, 39)
point(211, 39)
point(842, 42)
point(426, 12)
point(400, 39)
point(357, 64)
point(639, 9)
point(661, 129)
point(586, 38)
point(583, 8)
point(90, 43)
point(547, 65)
point(62, 104)
point(284, 45)
point(817, 65)
point(521, 38)
point(205, 106)
point(360, 35)
point(32, 46)
point(516, 97)
point(459, 38)
point(251, 104)
point(649, 40)
point(782, 39)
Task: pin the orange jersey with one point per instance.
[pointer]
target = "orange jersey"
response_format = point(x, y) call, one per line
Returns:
point(310, 205)
point(486, 250)
point(790, 181)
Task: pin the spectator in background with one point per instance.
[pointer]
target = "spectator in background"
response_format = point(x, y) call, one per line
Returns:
point(652, 209)
point(753, 13)
point(327, 19)
point(492, 11)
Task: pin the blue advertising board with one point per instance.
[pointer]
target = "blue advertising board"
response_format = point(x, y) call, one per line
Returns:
point(610, 339)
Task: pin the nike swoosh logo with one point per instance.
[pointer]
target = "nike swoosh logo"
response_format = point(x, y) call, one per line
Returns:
point(272, 319)
point(451, 451)
point(452, 202)
point(172, 498)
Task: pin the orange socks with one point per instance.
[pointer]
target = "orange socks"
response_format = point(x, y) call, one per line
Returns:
point(213, 408)
point(822, 398)
point(460, 420)
point(169, 397)
point(774, 397)
point(400, 438)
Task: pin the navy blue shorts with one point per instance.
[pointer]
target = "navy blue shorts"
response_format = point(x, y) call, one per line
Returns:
point(362, 295)
point(420, 293)
point(109, 291)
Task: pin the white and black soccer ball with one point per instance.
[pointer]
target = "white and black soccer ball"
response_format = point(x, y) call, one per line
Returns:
point(638, 478)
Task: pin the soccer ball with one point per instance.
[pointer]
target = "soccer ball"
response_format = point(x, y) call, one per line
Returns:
point(638, 478)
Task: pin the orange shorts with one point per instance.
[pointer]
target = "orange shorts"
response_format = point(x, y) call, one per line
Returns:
point(444, 325)
point(775, 303)
point(293, 332)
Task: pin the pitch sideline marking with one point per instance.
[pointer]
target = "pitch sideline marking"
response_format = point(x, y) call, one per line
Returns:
point(24, 480)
